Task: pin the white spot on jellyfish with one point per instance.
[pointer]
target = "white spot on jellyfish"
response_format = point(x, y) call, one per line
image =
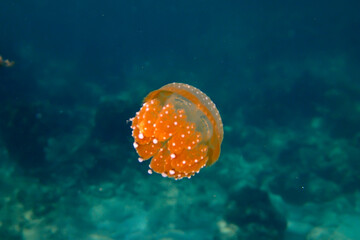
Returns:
point(171, 172)
point(164, 174)
point(184, 162)
point(155, 141)
point(135, 145)
point(141, 136)
point(140, 159)
point(175, 123)
point(172, 155)
point(149, 171)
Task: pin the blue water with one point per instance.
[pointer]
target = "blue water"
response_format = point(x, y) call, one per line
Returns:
point(284, 76)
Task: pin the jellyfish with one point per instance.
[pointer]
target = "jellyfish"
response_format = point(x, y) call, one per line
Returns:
point(180, 129)
point(6, 62)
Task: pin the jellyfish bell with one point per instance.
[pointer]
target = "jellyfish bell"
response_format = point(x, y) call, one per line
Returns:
point(180, 129)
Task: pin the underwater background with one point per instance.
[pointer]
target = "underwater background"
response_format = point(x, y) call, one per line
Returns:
point(283, 74)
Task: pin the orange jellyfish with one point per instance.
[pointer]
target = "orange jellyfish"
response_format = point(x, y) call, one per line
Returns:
point(180, 128)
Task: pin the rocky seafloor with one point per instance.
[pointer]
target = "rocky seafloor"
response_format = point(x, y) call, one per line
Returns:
point(289, 167)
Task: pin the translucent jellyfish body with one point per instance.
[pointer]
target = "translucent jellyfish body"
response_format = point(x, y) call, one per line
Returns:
point(180, 129)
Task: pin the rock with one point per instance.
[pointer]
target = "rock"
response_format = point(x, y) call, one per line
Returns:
point(251, 210)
